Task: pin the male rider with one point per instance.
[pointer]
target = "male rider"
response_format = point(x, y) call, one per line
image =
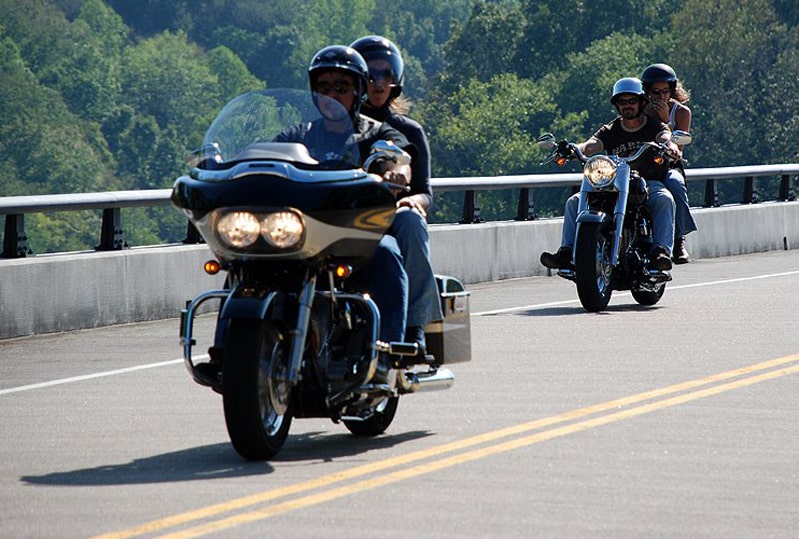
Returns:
point(623, 136)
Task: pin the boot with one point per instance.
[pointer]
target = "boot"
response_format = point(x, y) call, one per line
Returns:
point(559, 260)
point(680, 253)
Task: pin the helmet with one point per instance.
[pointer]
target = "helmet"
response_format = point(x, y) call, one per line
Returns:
point(658, 73)
point(380, 48)
point(628, 85)
point(345, 59)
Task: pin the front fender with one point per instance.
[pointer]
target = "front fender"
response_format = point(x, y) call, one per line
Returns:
point(247, 302)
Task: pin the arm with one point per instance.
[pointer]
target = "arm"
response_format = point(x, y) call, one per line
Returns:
point(591, 146)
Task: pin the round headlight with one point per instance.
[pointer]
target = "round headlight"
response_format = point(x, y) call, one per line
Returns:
point(600, 171)
point(283, 229)
point(238, 229)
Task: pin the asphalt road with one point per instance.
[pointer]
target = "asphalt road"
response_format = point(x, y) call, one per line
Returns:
point(677, 420)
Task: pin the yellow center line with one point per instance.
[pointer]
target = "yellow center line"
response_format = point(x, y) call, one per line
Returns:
point(359, 471)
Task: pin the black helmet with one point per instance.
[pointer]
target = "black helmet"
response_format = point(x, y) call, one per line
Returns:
point(345, 59)
point(658, 73)
point(380, 48)
point(627, 85)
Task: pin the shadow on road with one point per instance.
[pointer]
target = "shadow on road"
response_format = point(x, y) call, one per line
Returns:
point(219, 461)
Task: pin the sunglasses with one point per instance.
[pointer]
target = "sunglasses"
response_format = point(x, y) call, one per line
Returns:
point(339, 87)
point(386, 75)
point(662, 91)
point(627, 101)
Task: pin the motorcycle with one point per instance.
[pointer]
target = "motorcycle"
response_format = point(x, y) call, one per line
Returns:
point(614, 239)
point(300, 333)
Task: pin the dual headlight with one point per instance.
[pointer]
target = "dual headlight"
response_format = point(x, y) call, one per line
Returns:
point(242, 229)
point(600, 171)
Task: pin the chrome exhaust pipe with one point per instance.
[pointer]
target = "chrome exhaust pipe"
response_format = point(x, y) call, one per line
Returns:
point(441, 378)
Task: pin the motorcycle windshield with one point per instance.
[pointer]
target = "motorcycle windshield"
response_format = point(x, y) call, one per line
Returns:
point(271, 124)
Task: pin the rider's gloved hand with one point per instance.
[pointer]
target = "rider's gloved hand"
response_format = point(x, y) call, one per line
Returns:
point(565, 149)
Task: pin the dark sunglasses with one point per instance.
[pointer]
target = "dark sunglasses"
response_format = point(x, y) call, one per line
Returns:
point(386, 75)
point(627, 101)
point(339, 87)
point(662, 91)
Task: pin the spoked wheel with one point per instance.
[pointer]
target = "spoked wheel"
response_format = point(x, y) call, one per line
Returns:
point(646, 297)
point(377, 423)
point(256, 397)
point(592, 267)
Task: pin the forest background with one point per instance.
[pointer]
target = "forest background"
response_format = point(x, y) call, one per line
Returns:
point(111, 95)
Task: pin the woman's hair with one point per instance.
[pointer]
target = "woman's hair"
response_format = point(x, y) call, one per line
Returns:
point(680, 93)
point(400, 105)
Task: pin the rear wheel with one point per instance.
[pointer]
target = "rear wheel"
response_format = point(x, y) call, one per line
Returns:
point(378, 422)
point(593, 272)
point(646, 297)
point(256, 396)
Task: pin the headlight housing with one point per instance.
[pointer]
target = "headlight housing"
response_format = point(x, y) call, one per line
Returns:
point(600, 171)
point(267, 231)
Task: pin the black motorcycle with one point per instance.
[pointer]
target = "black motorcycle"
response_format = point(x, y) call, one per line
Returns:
point(300, 335)
point(614, 239)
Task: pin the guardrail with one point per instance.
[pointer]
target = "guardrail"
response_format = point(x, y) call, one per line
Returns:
point(15, 240)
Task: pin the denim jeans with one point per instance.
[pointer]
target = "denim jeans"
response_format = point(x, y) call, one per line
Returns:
point(684, 222)
point(659, 203)
point(410, 231)
point(387, 283)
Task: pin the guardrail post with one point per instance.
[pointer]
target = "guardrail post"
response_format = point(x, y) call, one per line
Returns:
point(526, 209)
point(15, 241)
point(471, 211)
point(112, 236)
point(711, 194)
point(192, 235)
point(786, 193)
point(750, 191)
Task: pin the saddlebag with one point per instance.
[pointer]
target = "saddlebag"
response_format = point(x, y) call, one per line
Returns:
point(449, 340)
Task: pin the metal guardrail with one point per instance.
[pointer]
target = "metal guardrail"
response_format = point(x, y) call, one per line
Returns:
point(15, 240)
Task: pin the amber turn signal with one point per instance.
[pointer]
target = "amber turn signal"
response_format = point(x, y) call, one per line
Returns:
point(343, 271)
point(211, 267)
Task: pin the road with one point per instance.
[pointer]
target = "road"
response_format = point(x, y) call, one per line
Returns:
point(677, 420)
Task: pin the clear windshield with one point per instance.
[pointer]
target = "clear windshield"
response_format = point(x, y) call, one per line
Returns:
point(292, 116)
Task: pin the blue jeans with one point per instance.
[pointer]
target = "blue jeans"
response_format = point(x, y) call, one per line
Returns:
point(410, 231)
point(387, 284)
point(659, 203)
point(683, 220)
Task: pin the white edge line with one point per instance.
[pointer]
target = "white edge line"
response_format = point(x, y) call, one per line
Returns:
point(482, 313)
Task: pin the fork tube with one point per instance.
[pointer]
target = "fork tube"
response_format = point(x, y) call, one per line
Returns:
point(301, 332)
point(623, 185)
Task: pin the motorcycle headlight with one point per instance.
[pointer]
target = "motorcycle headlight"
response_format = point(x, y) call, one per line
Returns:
point(600, 171)
point(238, 229)
point(283, 229)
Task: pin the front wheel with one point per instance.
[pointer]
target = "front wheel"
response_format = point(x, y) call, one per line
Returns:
point(256, 396)
point(593, 272)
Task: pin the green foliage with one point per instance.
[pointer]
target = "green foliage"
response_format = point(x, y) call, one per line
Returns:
point(111, 94)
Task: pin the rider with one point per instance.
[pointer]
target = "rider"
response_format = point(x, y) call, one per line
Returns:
point(386, 104)
point(667, 99)
point(339, 78)
point(623, 136)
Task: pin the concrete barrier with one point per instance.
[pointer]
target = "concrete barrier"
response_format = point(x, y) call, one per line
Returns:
point(64, 292)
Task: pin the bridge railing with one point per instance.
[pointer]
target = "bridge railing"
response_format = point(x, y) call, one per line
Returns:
point(112, 237)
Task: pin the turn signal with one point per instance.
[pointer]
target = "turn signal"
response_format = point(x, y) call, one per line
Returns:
point(659, 160)
point(343, 271)
point(211, 267)
point(560, 161)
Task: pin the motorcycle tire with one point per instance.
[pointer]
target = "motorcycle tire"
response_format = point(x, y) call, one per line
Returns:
point(257, 400)
point(377, 423)
point(593, 272)
point(645, 297)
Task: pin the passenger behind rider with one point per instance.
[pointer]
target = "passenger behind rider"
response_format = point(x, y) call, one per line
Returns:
point(623, 136)
point(386, 103)
point(667, 99)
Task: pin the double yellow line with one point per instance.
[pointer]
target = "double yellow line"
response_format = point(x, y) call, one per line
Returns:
point(465, 450)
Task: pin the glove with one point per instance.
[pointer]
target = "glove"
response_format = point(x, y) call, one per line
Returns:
point(565, 149)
